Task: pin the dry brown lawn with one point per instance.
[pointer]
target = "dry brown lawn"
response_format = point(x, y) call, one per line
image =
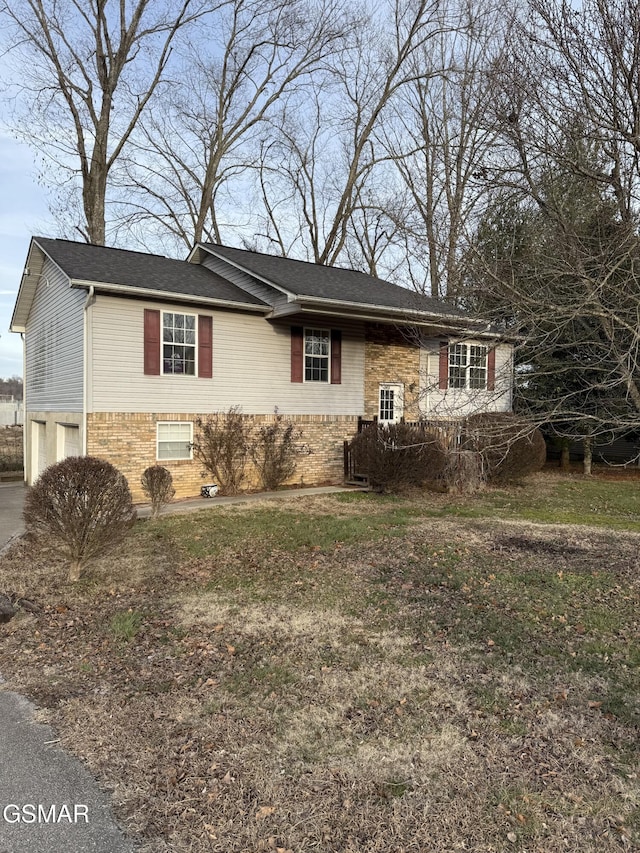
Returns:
point(408, 684)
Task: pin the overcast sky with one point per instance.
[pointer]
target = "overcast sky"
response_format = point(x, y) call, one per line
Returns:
point(23, 212)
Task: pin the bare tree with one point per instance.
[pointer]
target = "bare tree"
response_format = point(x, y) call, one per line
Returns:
point(319, 168)
point(568, 162)
point(195, 150)
point(439, 139)
point(375, 233)
point(86, 71)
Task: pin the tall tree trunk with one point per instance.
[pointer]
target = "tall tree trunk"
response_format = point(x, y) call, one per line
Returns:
point(587, 444)
point(92, 70)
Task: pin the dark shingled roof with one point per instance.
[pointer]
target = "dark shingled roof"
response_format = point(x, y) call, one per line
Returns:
point(332, 283)
point(301, 279)
point(86, 262)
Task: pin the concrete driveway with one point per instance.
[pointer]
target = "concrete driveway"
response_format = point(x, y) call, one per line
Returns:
point(11, 502)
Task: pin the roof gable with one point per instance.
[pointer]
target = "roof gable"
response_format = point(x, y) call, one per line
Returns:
point(301, 279)
point(91, 264)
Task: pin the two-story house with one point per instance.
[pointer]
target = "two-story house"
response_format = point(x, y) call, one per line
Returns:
point(125, 350)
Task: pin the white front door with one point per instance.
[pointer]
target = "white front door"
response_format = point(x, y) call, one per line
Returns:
point(390, 408)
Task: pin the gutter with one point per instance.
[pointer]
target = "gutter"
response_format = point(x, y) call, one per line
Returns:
point(166, 296)
point(450, 324)
point(91, 298)
point(26, 431)
point(404, 313)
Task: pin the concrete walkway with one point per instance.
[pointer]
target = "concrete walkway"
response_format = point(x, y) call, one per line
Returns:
point(193, 504)
point(12, 500)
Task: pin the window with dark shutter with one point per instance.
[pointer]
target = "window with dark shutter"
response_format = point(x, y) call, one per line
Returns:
point(174, 338)
point(205, 347)
point(491, 369)
point(316, 355)
point(467, 366)
point(444, 366)
point(336, 357)
point(151, 342)
point(297, 353)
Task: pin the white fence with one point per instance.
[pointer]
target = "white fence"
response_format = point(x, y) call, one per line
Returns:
point(11, 413)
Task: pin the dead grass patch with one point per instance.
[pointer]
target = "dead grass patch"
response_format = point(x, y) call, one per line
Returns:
point(450, 684)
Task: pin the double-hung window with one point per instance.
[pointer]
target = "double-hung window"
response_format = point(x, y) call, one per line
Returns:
point(317, 354)
point(467, 366)
point(178, 343)
point(174, 440)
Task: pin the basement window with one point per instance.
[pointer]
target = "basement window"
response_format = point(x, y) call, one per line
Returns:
point(174, 440)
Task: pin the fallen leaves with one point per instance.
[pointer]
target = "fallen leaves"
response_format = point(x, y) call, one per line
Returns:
point(271, 845)
point(264, 812)
point(196, 721)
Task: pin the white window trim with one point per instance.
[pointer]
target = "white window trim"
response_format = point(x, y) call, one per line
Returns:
point(326, 381)
point(162, 343)
point(468, 367)
point(173, 458)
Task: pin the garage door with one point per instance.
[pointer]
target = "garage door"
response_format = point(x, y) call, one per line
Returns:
point(71, 441)
point(39, 439)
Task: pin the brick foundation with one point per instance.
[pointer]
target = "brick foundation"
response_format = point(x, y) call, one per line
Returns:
point(128, 441)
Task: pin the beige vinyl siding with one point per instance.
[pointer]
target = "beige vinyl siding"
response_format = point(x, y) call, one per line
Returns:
point(270, 295)
point(54, 344)
point(458, 403)
point(251, 367)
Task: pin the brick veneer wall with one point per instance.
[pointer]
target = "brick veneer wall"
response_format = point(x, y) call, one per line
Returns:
point(390, 356)
point(128, 441)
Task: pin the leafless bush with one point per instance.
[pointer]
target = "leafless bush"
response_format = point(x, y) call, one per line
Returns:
point(510, 447)
point(397, 456)
point(274, 452)
point(157, 484)
point(222, 444)
point(80, 508)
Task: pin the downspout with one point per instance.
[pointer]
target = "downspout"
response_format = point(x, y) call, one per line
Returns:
point(426, 378)
point(26, 431)
point(85, 360)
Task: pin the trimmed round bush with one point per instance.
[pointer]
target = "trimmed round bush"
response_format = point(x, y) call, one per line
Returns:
point(397, 456)
point(510, 447)
point(80, 508)
point(157, 484)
